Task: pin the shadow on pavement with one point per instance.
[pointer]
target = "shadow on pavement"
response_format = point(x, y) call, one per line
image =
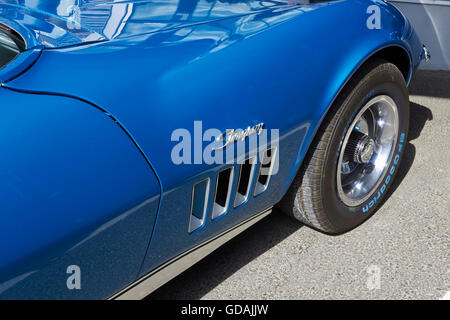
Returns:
point(221, 264)
point(431, 84)
point(419, 115)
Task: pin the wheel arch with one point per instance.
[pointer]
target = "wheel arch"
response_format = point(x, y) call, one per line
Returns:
point(395, 53)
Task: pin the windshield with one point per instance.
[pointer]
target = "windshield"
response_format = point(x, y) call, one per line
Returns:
point(11, 45)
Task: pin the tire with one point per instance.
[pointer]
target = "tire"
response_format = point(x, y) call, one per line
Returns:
point(314, 197)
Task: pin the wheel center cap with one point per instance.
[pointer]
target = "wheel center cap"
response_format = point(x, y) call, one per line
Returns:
point(364, 150)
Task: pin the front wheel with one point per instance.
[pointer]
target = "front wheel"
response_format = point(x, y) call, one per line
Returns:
point(356, 153)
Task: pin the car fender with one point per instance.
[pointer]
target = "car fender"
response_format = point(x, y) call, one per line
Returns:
point(76, 194)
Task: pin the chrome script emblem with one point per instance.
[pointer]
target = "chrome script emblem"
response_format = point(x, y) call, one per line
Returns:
point(232, 135)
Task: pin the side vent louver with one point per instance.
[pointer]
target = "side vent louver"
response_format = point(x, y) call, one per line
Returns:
point(199, 204)
point(224, 186)
point(223, 191)
point(245, 181)
point(265, 171)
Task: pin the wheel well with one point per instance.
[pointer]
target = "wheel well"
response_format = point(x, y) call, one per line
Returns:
point(393, 54)
point(397, 56)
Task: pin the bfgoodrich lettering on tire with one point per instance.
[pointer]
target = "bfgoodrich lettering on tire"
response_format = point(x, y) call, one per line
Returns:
point(356, 153)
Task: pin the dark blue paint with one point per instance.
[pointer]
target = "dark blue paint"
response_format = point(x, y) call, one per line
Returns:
point(228, 63)
point(74, 191)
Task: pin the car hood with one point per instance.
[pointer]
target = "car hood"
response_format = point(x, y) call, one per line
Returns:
point(56, 24)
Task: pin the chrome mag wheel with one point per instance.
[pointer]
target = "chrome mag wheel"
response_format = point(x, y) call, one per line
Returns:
point(366, 150)
point(355, 156)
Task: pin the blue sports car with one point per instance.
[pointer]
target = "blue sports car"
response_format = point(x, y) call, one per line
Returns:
point(138, 136)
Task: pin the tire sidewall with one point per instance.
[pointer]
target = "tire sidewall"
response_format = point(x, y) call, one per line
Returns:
point(340, 215)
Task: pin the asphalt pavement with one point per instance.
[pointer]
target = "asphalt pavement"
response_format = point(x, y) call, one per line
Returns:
point(402, 252)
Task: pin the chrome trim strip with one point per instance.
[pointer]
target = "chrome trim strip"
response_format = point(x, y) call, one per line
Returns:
point(239, 198)
point(194, 222)
point(152, 281)
point(425, 55)
point(260, 188)
point(218, 210)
